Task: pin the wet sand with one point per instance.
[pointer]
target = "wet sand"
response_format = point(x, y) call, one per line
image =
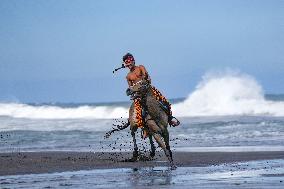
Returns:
point(49, 162)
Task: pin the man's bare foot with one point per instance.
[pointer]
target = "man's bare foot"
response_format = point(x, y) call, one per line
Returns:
point(173, 122)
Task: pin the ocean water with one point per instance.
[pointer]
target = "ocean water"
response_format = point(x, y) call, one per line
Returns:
point(227, 112)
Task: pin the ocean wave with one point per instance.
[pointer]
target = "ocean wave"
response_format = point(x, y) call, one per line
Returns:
point(55, 112)
point(218, 94)
point(228, 93)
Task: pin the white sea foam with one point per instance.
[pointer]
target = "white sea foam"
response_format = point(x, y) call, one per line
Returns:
point(55, 112)
point(216, 95)
point(228, 94)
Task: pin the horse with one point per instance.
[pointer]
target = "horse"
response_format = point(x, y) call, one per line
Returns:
point(155, 121)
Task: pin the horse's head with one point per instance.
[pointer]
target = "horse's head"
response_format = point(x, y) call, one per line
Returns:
point(140, 89)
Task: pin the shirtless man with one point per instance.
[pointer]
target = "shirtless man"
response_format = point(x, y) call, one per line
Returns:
point(139, 73)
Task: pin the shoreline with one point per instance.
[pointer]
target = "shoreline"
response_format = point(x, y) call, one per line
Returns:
point(18, 163)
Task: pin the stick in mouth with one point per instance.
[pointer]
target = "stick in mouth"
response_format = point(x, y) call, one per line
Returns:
point(122, 66)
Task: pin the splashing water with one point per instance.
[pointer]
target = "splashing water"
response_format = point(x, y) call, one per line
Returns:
point(228, 94)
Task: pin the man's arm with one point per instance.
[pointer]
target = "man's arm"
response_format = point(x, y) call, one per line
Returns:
point(128, 81)
point(145, 74)
point(128, 90)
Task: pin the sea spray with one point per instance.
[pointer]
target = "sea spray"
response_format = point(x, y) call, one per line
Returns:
point(228, 93)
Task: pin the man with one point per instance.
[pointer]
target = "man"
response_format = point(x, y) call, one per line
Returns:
point(139, 74)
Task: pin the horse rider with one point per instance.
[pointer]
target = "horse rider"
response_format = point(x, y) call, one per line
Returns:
point(139, 74)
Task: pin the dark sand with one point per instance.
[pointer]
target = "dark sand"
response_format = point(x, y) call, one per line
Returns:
point(49, 162)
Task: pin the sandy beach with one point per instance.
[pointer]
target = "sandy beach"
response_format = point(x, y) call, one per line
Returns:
point(49, 162)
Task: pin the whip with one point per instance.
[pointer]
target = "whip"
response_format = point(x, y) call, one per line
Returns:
point(115, 70)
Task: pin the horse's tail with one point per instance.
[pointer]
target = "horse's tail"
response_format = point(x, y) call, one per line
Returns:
point(118, 128)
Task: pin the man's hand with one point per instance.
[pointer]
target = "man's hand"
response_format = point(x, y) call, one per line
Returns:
point(129, 92)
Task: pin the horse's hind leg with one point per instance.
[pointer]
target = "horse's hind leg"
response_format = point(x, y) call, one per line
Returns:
point(161, 143)
point(167, 142)
point(157, 134)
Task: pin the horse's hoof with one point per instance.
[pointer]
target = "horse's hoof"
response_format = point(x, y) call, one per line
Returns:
point(145, 158)
point(134, 158)
point(130, 160)
point(152, 154)
point(173, 167)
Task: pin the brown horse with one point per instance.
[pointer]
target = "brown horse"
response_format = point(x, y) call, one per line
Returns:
point(155, 121)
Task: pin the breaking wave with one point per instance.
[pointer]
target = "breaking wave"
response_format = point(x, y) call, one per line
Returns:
point(228, 93)
point(218, 94)
point(56, 112)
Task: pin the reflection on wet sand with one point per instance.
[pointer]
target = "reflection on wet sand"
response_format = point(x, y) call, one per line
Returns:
point(253, 174)
point(150, 177)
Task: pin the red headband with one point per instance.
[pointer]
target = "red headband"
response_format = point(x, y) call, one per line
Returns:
point(129, 58)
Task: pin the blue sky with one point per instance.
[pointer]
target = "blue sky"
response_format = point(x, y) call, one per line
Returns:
point(65, 51)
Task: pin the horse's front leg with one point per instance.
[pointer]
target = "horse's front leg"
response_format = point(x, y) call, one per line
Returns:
point(135, 152)
point(149, 123)
point(153, 148)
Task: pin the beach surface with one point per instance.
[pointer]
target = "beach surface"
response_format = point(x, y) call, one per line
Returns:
point(50, 162)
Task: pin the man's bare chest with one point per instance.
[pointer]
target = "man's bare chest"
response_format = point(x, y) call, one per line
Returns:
point(136, 74)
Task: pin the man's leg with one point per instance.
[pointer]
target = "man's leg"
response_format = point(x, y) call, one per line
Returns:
point(139, 117)
point(167, 105)
point(138, 112)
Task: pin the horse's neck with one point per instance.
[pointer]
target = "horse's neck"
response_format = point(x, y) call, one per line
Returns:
point(143, 92)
